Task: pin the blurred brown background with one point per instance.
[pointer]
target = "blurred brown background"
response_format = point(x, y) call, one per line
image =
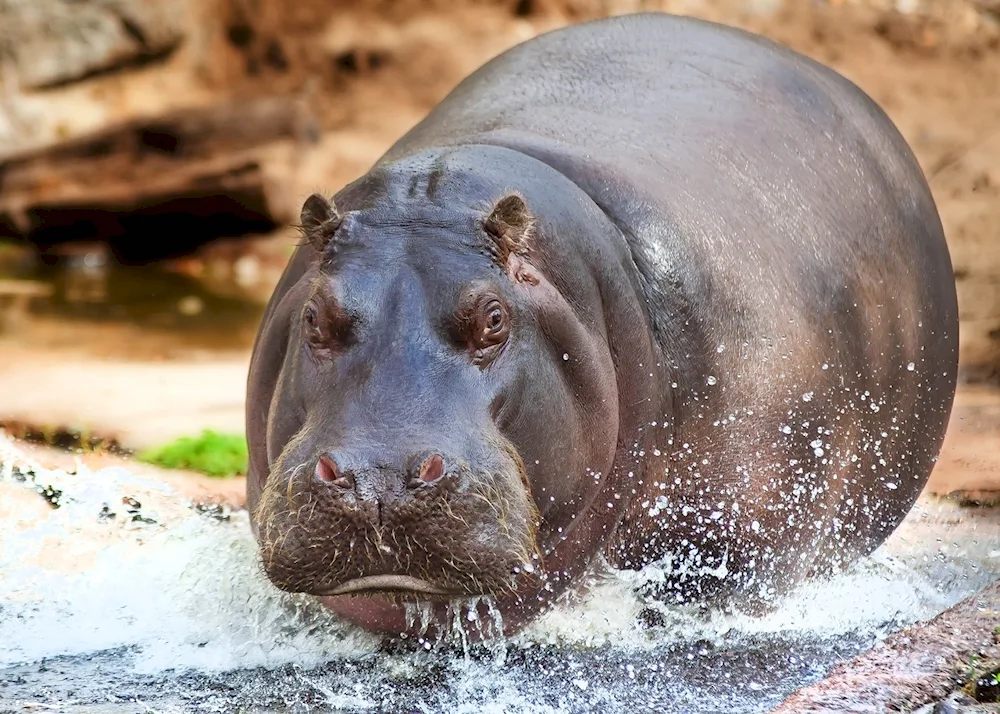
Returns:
point(154, 153)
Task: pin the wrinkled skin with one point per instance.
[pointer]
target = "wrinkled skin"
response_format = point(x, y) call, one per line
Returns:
point(581, 310)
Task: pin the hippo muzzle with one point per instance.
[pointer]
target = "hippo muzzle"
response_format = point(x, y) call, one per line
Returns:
point(430, 526)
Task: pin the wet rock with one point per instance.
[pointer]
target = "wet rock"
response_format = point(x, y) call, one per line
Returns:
point(63, 438)
point(50, 494)
point(987, 687)
point(651, 619)
point(956, 703)
point(134, 509)
point(22, 475)
point(53, 42)
point(215, 511)
point(976, 499)
point(153, 187)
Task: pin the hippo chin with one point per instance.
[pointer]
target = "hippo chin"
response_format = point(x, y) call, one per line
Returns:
point(647, 288)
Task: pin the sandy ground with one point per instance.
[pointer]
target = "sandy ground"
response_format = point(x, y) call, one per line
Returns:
point(970, 458)
point(138, 403)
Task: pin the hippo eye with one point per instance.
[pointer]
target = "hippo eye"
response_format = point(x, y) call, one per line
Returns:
point(314, 333)
point(495, 318)
point(327, 328)
point(494, 325)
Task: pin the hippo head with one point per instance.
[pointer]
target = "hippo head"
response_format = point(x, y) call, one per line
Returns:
point(439, 414)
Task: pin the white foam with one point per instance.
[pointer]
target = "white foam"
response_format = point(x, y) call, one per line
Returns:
point(185, 592)
point(879, 592)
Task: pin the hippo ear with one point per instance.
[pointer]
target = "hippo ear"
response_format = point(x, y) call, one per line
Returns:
point(320, 220)
point(511, 226)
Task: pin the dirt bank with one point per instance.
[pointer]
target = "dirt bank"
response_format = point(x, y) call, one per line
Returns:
point(969, 466)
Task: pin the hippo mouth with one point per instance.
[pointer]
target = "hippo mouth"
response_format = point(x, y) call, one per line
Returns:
point(402, 584)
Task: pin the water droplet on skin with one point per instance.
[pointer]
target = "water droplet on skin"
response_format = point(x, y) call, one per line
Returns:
point(910, 367)
point(785, 429)
point(807, 397)
point(826, 366)
point(565, 357)
point(720, 349)
point(711, 379)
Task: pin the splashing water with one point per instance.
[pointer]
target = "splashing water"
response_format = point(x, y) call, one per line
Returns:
point(116, 592)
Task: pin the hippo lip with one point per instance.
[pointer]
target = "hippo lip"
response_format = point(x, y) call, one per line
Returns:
point(405, 583)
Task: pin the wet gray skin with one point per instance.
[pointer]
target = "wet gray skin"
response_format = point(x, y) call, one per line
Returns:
point(648, 288)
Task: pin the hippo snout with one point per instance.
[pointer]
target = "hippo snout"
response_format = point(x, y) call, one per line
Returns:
point(414, 524)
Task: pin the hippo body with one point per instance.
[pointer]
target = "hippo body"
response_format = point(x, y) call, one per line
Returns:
point(720, 332)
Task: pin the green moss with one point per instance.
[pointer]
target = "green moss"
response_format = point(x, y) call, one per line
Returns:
point(211, 453)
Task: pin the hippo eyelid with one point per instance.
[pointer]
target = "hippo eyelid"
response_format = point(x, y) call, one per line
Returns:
point(328, 328)
point(471, 328)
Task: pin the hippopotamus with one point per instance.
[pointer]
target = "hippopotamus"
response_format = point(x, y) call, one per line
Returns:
point(643, 290)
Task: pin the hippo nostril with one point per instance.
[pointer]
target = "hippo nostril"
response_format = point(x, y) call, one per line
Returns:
point(430, 471)
point(326, 470)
